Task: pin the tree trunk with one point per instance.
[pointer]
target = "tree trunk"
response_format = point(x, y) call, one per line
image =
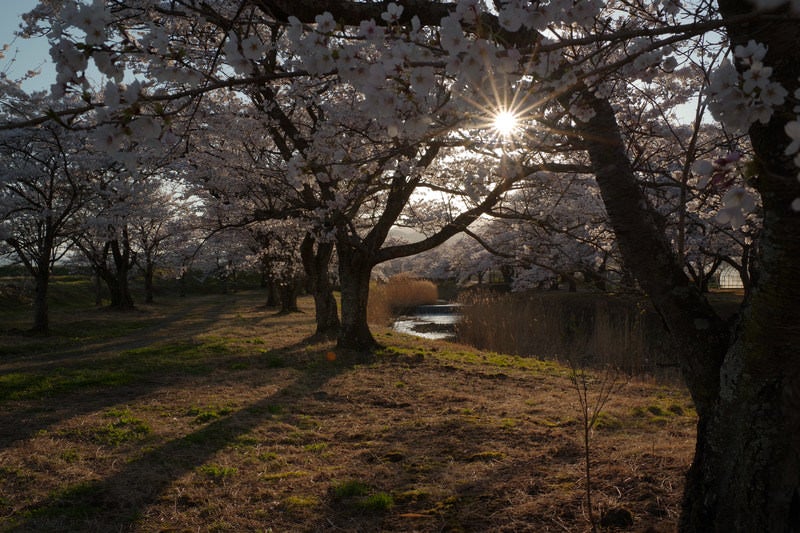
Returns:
point(118, 291)
point(38, 265)
point(98, 290)
point(288, 296)
point(117, 280)
point(746, 471)
point(746, 475)
point(148, 282)
point(119, 287)
point(354, 275)
point(41, 313)
point(315, 264)
point(272, 293)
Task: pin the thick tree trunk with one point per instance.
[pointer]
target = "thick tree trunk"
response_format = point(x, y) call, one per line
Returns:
point(117, 279)
point(746, 475)
point(288, 296)
point(354, 275)
point(746, 471)
point(38, 265)
point(315, 264)
point(272, 293)
point(647, 254)
point(119, 288)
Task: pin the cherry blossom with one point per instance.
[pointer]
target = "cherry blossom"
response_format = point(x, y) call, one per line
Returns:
point(736, 203)
point(393, 13)
point(792, 129)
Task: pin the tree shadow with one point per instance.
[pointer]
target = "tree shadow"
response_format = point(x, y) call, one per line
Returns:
point(115, 503)
point(40, 390)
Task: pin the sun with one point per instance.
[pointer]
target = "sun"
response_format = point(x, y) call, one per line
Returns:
point(505, 123)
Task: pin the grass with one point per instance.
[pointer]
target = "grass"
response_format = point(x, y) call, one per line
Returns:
point(212, 412)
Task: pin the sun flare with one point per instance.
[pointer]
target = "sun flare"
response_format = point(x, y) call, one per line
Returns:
point(505, 122)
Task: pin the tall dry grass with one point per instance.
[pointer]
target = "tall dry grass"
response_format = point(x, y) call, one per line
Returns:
point(585, 328)
point(400, 292)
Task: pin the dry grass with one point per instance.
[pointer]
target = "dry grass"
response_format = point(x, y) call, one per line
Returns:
point(402, 291)
point(214, 414)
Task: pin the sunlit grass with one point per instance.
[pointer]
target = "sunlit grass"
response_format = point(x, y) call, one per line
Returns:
point(230, 415)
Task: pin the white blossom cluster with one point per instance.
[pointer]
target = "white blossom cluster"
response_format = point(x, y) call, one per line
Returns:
point(739, 100)
point(403, 80)
point(738, 201)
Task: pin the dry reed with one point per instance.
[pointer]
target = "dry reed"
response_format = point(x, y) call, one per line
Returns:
point(403, 291)
point(590, 328)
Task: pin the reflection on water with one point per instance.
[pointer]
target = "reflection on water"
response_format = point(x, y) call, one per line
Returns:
point(430, 321)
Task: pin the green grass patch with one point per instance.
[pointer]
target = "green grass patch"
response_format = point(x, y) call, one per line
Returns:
point(350, 489)
point(361, 496)
point(208, 413)
point(488, 358)
point(69, 456)
point(123, 428)
point(246, 441)
point(60, 380)
point(217, 472)
point(284, 475)
point(607, 421)
point(380, 501)
point(296, 502)
point(316, 447)
point(268, 457)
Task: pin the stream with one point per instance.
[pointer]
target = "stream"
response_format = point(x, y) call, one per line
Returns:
point(430, 321)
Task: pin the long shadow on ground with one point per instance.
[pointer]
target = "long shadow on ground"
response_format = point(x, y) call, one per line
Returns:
point(101, 506)
point(95, 381)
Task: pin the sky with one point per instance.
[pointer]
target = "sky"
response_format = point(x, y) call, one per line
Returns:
point(26, 53)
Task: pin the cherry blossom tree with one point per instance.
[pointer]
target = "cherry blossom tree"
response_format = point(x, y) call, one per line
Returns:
point(42, 188)
point(557, 64)
point(164, 217)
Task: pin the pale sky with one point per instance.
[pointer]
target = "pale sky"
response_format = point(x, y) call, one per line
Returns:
point(26, 53)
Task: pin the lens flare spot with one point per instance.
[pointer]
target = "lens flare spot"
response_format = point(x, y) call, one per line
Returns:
point(505, 122)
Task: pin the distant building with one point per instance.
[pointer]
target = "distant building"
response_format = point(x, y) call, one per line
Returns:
point(729, 278)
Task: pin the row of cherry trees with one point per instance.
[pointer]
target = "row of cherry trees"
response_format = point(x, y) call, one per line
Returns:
point(343, 119)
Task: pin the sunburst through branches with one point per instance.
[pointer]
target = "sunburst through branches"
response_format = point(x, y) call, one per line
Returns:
point(505, 123)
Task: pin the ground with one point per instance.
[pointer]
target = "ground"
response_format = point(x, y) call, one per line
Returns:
point(214, 413)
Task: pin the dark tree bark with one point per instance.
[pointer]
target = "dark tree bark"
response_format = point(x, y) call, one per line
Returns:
point(149, 271)
point(287, 292)
point(272, 293)
point(117, 281)
point(355, 270)
point(38, 265)
point(747, 475)
point(41, 312)
point(744, 380)
point(98, 289)
point(115, 274)
point(315, 264)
